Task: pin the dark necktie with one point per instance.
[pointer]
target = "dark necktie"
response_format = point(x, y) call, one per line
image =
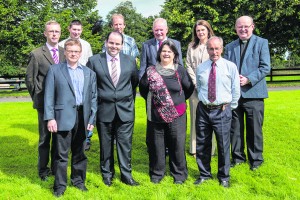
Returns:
point(159, 43)
point(55, 56)
point(212, 83)
point(114, 71)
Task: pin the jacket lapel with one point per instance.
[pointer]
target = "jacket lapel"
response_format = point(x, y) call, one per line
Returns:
point(86, 74)
point(103, 61)
point(153, 48)
point(237, 53)
point(66, 74)
point(47, 54)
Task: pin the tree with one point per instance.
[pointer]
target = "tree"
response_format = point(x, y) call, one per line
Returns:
point(22, 25)
point(276, 20)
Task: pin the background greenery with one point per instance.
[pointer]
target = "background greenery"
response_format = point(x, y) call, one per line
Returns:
point(278, 178)
point(22, 25)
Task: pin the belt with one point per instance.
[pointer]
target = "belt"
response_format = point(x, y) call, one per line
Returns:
point(79, 107)
point(214, 107)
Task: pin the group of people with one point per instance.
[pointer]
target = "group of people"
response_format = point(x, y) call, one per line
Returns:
point(75, 91)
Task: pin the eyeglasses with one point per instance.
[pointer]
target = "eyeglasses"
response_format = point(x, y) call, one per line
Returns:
point(214, 49)
point(72, 52)
point(244, 27)
point(52, 32)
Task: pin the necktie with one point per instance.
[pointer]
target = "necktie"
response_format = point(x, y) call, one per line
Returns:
point(212, 83)
point(159, 43)
point(114, 71)
point(55, 56)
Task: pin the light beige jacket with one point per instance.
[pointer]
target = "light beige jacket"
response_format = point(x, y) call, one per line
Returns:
point(194, 57)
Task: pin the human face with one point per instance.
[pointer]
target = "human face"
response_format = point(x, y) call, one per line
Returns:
point(166, 55)
point(75, 31)
point(160, 31)
point(202, 33)
point(244, 27)
point(72, 54)
point(214, 49)
point(114, 44)
point(118, 24)
point(52, 33)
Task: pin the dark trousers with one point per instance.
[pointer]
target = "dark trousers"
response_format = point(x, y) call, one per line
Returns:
point(44, 147)
point(251, 111)
point(74, 139)
point(207, 121)
point(122, 133)
point(171, 135)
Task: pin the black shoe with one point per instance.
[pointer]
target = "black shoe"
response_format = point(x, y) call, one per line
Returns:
point(233, 164)
point(178, 182)
point(107, 181)
point(225, 184)
point(44, 178)
point(199, 181)
point(155, 180)
point(58, 193)
point(255, 167)
point(87, 145)
point(130, 182)
point(81, 187)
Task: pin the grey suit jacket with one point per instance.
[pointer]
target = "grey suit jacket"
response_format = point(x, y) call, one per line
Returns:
point(115, 100)
point(39, 62)
point(60, 102)
point(149, 54)
point(255, 66)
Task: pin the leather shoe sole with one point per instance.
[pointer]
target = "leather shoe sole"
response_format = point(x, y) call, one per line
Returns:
point(225, 184)
point(199, 181)
point(130, 182)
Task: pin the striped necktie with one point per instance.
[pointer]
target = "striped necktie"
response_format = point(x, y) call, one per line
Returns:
point(54, 55)
point(114, 71)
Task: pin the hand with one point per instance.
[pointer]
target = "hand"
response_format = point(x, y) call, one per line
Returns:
point(52, 126)
point(90, 127)
point(243, 80)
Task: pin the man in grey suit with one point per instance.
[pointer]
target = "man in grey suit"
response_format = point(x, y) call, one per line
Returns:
point(39, 62)
point(70, 112)
point(150, 47)
point(251, 54)
point(117, 78)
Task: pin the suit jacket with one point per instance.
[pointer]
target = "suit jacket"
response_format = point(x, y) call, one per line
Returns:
point(255, 65)
point(60, 101)
point(194, 57)
point(115, 100)
point(39, 62)
point(149, 54)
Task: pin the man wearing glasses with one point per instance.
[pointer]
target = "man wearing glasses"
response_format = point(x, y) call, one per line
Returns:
point(39, 62)
point(251, 55)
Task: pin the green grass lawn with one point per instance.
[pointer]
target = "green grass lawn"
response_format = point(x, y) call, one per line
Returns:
point(278, 178)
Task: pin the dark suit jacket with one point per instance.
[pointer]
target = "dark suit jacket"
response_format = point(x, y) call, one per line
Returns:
point(149, 54)
point(60, 102)
point(39, 62)
point(255, 66)
point(111, 99)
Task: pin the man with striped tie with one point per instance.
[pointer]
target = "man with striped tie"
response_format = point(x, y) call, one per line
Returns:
point(117, 78)
point(39, 62)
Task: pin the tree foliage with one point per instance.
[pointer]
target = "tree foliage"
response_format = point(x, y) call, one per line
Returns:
point(22, 25)
point(276, 20)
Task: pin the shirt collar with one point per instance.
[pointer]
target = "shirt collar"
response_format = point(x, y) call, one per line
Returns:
point(51, 47)
point(109, 57)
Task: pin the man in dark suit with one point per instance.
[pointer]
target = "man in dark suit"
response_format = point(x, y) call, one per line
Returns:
point(40, 60)
point(150, 47)
point(251, 54)
point(117, 78)
point(70, 112)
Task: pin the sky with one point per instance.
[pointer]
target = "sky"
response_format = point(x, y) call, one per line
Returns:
point(145, 7)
